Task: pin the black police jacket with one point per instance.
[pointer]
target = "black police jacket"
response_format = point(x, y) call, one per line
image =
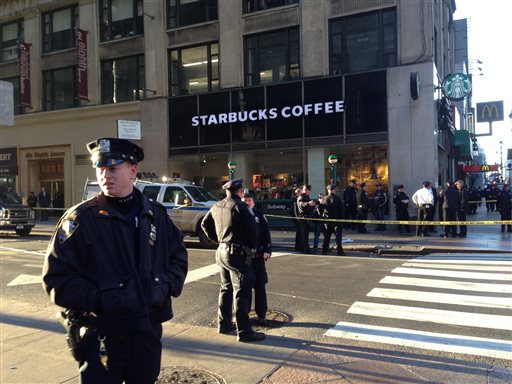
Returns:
point(305, 210)
point(264, 239)
point(504, 202)
point(332, 207)
point(91, 265)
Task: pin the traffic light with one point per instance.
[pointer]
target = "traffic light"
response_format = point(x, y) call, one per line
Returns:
point(444, 115)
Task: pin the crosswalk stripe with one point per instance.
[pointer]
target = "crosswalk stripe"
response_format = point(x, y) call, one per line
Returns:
point(447, 284)
point(439, 316)
point(494, 348)
point(505, 262)
point(469, 258)
point(444, 298)
point(456, 274)
point(488, 268)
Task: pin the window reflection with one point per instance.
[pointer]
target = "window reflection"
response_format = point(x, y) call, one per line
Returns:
point(60, 89)
point(11, 35)
point(59, 29)
point(187, 12)
point(123, 79)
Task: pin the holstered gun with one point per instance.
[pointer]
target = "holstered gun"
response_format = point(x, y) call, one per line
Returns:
point(78, 326)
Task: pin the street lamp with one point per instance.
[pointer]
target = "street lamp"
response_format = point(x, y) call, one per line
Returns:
point(232, 167)
point(502, 173)
point(333, 159)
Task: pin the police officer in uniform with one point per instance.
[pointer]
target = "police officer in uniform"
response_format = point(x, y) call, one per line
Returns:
point(332, 209)
point(362, 208)
point(230, 224)
point(381, 199)
point(306, 208)
point(263, 254)
point(349, 198)
point(504, 205)
point(424, 200)
point(118, 258)
point(463, 207)
point(401, 201)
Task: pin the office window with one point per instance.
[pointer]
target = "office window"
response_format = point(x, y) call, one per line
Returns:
point(194, 69)
point(261, 5)
point(272, 57)
point(123, 79)
point(187, 12)
point(15, 81)
point(59, 29)
point(11, 35)
point(363, 42)
point(121, 18)
point(60, 89)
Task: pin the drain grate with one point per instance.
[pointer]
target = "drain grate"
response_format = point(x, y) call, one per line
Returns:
point(180, 375)
point(275, 319)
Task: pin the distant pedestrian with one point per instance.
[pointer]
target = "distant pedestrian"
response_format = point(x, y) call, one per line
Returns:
point(505, 206)
point(424, 200)
point(332, 210)
point(44, 203)
point(401, 201)
point(32, 200)
point(362, 208)
point(379, 206)
point(463, 207)
point(450, 208)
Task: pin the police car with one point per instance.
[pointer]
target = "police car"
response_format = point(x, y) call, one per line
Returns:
point(186, 204)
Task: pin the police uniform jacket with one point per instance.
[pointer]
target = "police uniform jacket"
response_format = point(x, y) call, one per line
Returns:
point(349, 196)
point(332, 207)
point(463, 199)
point(305, 210)
point(91, 264)
point(362, 200)
point(264, 240)
point(451, 198)
point(401, 201)
point(504, 202)
point(230, 221)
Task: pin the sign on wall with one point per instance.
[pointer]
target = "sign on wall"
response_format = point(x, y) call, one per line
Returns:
point(128, 129)
point(83, 92)
point(489, 111)
point(25, 97)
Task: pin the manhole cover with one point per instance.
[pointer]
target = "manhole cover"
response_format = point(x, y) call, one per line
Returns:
point(275, 319)
point(181, 375)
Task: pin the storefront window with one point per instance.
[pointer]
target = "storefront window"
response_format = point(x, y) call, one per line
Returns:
point(181, 13)
point(121, 18)
point(11, 35)
point(59, 29)
point(60, 89)
point(123, 79)
point(260, 5)
point(363, 42)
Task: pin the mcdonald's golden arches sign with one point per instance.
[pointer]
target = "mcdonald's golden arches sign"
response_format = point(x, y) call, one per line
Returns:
point(489, 111)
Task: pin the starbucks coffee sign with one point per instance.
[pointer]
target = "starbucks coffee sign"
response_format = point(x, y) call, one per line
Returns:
point(456, 86)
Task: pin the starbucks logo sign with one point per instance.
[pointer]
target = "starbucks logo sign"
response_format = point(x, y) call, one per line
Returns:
point(456, 86)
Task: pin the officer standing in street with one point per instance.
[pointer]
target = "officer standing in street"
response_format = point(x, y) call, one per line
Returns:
point(424, 200)
point(114, 262)
point(349, 198)
point(306, 207)
point(263, 253)
point(333, 210)
point(401, 201)
point(380, 201)
point(463, 207)
point(450, 208)
point(504, 205)
point(231, 225)
point(362, 208)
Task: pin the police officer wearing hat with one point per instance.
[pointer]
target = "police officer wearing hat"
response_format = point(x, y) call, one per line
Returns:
point(333, 210)
point(349, 198)
point(424, 200)
point(362, 208)
point(504, 205)
point(230, 224)
point(401, 201)
point(114, 262)
point(380, 201)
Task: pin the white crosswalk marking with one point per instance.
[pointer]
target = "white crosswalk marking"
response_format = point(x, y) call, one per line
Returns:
point(464, 278)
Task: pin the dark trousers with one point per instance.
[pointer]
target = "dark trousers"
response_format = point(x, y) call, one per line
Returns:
point(236, 280)
point(450, 214)
point(351, 214)
point(403, 215)
point(379, 215)
point(362, 214)
point(260, 292)
point(337, 228)
point(319, 228)
point(132, 358)
point(461, 216)
point(298, 238)
point(304, 236)
point(424, 214)
point(506, 214)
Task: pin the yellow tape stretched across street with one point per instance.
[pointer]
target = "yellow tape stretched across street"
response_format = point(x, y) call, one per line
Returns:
point(402, 222)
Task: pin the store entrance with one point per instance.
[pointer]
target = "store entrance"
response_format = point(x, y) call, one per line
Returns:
point(51, 176)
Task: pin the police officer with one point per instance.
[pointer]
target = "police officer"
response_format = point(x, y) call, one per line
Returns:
point(380, 201)
point(306, 208)
point(463, 207)
point(230, 224)
point(362, 207)
point(349, 198)
point(263, 253)
point(504, 205)
point(118, 257)
point(424, 200)
point(401, 201)
point(450, 208)
point(332, 209)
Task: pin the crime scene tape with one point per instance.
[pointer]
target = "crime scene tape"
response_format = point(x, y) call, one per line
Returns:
point(402, 222)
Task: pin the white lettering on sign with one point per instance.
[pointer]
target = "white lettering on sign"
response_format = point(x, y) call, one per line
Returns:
point(269, 114)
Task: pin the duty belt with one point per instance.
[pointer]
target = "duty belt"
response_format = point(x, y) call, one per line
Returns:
point(426, 205)
point(237, 248)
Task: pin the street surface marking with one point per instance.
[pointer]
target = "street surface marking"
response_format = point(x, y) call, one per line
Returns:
point(444, 298)
point(25, 279)
point(447, 284)
point(23, 251)
point(506, 262)
point(464, 275)
point(39, 266)
point(494, 348)
point(488, 268)
point(439, 316)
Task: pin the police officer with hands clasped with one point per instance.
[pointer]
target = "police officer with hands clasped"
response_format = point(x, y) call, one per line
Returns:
point(230, 224)
point(332, 208)
point(114, 262)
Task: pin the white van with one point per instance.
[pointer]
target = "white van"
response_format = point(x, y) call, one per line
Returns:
point(186, 204)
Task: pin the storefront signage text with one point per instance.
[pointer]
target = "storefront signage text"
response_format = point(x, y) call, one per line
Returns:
point(25, 97)
point(270, 113)
point(40, 155)
point(83, 92)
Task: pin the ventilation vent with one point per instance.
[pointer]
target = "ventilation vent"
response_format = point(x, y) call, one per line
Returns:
point(83, 160)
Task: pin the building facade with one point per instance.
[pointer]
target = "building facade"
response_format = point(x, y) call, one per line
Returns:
point(276, 86)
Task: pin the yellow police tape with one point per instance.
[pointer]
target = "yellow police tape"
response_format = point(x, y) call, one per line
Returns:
point(402, 222)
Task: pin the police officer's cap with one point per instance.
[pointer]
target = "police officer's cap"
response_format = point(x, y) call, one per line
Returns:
point(426, 183)
point(106, 152)
point(331, 187)
point(233, 185)
point(248, 193)
point(401, 186)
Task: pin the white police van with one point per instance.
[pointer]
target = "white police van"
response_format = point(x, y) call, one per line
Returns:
point(186, 204)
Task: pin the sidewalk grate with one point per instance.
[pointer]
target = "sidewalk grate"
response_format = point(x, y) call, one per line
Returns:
point(178, 375)
point(275, 319)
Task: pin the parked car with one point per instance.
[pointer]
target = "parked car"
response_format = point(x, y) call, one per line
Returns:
point(14, 215)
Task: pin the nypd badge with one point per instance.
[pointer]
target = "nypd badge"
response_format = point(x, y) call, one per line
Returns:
point(152, 235)
point(66, 229)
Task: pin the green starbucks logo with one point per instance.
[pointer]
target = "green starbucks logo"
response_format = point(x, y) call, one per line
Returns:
point(456, 86)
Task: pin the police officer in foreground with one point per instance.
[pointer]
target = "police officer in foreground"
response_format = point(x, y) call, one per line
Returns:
point(114, 262)
point(262, 255)
point(504, 205)
point(332, 209)
point(231, 225)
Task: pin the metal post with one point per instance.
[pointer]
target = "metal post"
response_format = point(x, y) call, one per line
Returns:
point(231, 167)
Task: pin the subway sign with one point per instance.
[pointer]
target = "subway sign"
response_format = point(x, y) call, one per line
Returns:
point(480, 168)
point(489, 111)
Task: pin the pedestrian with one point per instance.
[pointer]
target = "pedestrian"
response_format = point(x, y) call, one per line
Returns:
point(504, 205)
point(450, 208)
point(115, 261)
point(332, 210)
point(318, 225)
point(362, 208)
point(32, 200)
point(379, 206)
point(401, 201)
point(295, 220)
point(349, 199)
point(44, 203)
point(463, 207)
point(258, 262)
point(231, 225)
point(424, 200)
point(306, 207)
